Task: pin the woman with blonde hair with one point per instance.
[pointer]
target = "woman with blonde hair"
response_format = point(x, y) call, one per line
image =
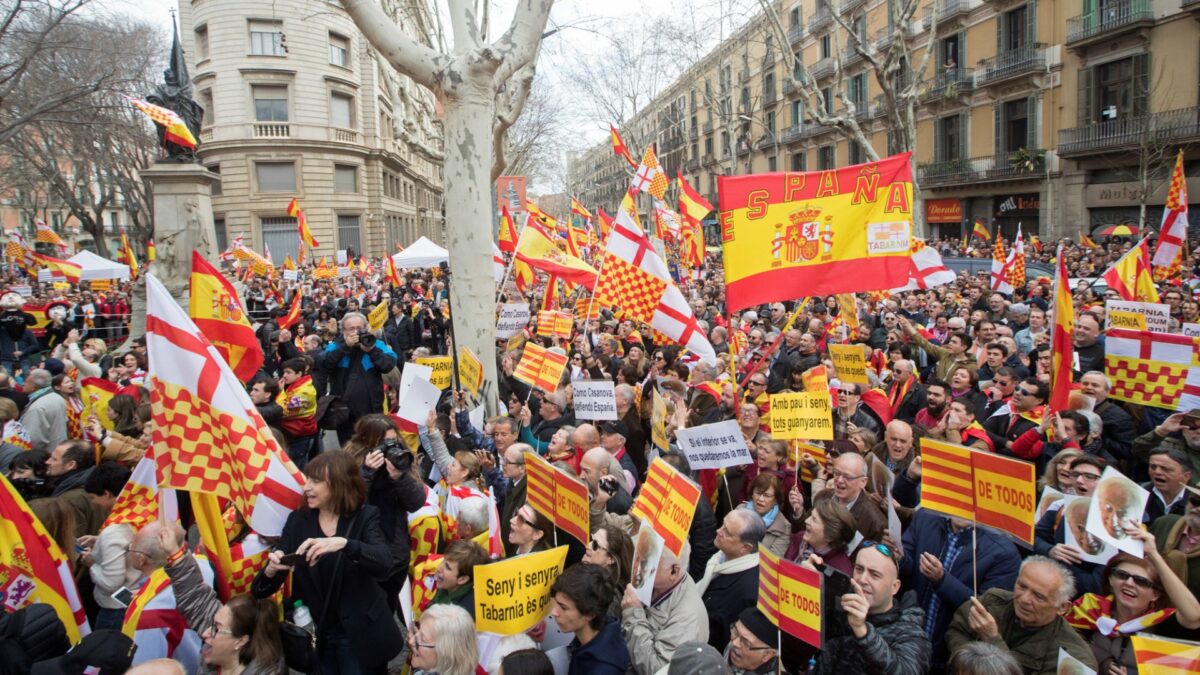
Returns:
point(1057, 474)
point(443, 642)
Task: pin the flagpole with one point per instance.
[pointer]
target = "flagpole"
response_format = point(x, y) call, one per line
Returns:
point(511, 263)
point(587, 323)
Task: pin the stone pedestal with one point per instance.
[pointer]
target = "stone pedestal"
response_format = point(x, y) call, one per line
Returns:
point(183, 221)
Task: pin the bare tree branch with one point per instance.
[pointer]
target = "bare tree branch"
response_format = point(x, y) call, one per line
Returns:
point(424, 65)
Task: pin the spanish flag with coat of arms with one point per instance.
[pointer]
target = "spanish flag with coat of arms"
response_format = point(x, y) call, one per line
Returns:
point(787, 235)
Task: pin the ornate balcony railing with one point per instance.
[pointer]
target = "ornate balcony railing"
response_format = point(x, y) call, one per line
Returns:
point(1131, 132)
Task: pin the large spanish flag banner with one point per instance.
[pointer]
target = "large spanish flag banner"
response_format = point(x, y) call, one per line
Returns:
point(787, 235)
point(32, 567)
point(790, 596)
point(1159, 656)
point(979, 486)
point(215, 308)
point(668, 501)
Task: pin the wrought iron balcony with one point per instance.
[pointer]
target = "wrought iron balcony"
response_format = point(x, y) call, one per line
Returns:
point(744, 75)
point(850, 55)
point(950, 83)
point(693, 132)
point(1024, 60)
point(769, 96)
point(848, 6)
point(792, 134)
point(946, 10)
point(820, 18)
point(1019, 165)
point(795, 34)
point(789, 86)
point(863, 110)
point(767, 140)
point(708, 127)
point(1130, 133)
point(1114, 18)
point(822, 68)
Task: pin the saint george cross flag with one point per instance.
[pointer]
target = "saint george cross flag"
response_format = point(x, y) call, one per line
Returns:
point(926, 270)
point(208, 437)
point(634, 278)
point(649, 177)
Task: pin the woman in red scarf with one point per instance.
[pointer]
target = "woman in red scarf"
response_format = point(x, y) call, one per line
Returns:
point(1137, 595)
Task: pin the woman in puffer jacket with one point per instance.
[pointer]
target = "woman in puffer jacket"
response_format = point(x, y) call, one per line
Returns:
point(240, 637)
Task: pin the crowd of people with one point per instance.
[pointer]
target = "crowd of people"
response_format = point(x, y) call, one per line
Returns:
point(383, 554)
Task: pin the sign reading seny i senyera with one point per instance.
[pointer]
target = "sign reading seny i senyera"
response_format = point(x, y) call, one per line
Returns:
point(806, 415)
point(594, 400)
point(514, 316)
point(999, 492)
point(512, 596)
point(714, 446)
point(668, 501)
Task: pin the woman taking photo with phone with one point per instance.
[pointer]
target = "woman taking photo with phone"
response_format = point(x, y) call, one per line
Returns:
point(345, 557)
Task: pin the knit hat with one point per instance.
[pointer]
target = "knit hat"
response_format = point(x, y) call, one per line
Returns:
point(758, 624)
point(697, 658)
point(54, 366)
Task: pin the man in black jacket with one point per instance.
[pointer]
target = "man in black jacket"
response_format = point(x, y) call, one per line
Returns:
point(399, 331)
point(514, 497)
point(1118, 432)
point(730, 581)
point(355, 368)
point(1026, 407)
point(1086, 340)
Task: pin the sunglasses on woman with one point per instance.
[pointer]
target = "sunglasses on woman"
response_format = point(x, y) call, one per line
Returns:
point(1139, 580)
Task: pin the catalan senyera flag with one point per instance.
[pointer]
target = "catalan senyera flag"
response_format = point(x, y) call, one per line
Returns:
point(1160, 656)
point(562, 498)
point(540, 475)
point(174, 128)
point(508, 231)
point(787, 235)
point(1131, 276)
point(947, 481)
point(619, 147)
point(789, 595)
point(127, 251)
point(540, 367)
point(1086, 241)
point(219, 315)
point(649, 176)
point(302, 228)
point(1172, 233)
point(33, 570)
point(668, 501)
point(67, 269)
point(1060, 337)
point(538, 250)
point(46, 235)
point(1149, 368)
point(634, 278)
point(141, 501)
point(980, 232)
point(208, 436)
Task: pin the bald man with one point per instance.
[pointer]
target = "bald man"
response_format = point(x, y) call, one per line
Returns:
point(906, 395)
point(846, 480)
point(597, 470)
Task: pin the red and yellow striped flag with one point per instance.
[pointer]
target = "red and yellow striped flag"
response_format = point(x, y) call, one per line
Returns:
point(579, 209)
point(1131, 276)
point(947, 482)
point(508, 231)
point(979, 231)
point(67, 269)
point(540, 367)
point(619, 147)
point(218, 313)
point(1160, 656)
point(130, 258)
point(1087, 242)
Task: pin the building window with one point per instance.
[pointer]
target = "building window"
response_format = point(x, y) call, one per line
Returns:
point(799, 162)
point(856, 91)
point(827, 100)
point(797, 112)
point(825, 158)
point(206, 102)
point(279, 235)
point(858, 154)
point(266, 38)
point(349, 233)
point(275, 176)
point(222, 236)
point(339, 50)
point(826, 46)
point(769, 86)
point(216, 186)
point(948, 143)
point(270, 103)
point(708, 145)
point(1016, 124)
point(1016, 29)
point(202, 42)
point(794, 19)
point(345, 178)
point(772, 163)
point(770, 124)
point(341, 111)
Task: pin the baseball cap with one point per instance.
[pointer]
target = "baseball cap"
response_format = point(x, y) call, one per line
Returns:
point(615, 427)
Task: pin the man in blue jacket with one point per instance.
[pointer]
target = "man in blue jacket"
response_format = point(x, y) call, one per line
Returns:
point(937, 564)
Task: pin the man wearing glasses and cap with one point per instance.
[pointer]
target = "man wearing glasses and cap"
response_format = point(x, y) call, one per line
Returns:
point(886, 634)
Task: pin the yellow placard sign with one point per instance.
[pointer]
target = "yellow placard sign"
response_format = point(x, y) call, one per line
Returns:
point(101, 284)
point(512, 596)
point(441, 370)
point(378, 316)
point(470, 370)
point(805, 415)
point(1130, 320)
point(849, 362)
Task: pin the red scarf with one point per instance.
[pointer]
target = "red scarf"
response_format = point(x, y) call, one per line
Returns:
point(898, 393)
point(975, 430)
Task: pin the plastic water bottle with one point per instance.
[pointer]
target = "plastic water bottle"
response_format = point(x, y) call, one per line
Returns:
point(302, 617)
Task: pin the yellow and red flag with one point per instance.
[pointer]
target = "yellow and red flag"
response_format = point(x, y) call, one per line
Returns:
point(174, 128)
point(208, 436)
point(130, 258)
point(606, 223)
point(561, 497)
point(619, 147)
point(288, 263)
point(538, 250)
point(980, 232)
point(96, 392)
point(33, 569)
point(947, 481)
point(1172, 233)
point(235, 565)
point(1061, 338)
point(1131, 276)
point(306, 235)
point(67, 269)
point(540, 367)
point(1087, 242)
point(46, 235)
point(151, 251)
point(293, 316)
point(579, 209)
point(789, 595)
point(787, 235)
point(540, 217)
point(508, 231)
point(692, 205)
point(141, 501)
point(393, 275)
point(668, 501)
point(649, 176)
point(218, 314)
point(1160, 656)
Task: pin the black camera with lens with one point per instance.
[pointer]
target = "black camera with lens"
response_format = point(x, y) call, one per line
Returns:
point(397, 454)
point(366, 338)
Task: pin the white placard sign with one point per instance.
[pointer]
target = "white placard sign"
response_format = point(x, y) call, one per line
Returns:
point(1191, 329)
point(595, 400)
point(410, 372)
point(1115, 501)
point(341, 257)
point(514, 316)
point(23, 291)
point(1158, 316)
point(291, 275)
point(343, 272)
point(420, 399)
point(714, 446)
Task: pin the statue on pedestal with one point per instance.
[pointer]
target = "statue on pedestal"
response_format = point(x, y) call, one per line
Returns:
point(175, 94)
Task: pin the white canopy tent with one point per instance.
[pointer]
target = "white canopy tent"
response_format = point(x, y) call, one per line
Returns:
point(93, 266)
point(422, 253)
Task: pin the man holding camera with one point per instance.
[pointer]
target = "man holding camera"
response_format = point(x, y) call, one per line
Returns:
point(354, 365)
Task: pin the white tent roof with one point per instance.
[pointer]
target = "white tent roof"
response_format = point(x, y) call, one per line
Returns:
point(93, 266)
point(422, 253)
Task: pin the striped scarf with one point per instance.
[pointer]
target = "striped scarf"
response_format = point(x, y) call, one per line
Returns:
point(1095, 612)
